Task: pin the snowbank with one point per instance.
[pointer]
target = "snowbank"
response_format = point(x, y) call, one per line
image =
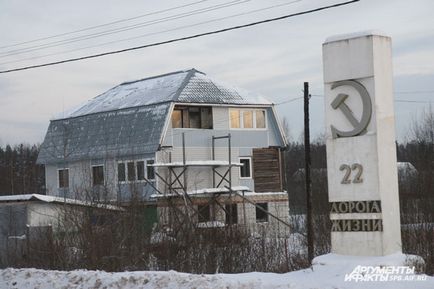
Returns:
point(328, 272)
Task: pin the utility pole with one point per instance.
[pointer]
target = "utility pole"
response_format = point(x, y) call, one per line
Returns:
point(307, 173)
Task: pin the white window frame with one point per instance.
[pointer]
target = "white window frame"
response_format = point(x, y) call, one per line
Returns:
point(103, 172)
point(210, 212)
point(267, 214)
point(127, 171)
point(230, 119)
point(187, 106)
point(265, 119)
point(136, 180)
point(250, 167)
point(146, 169)
point(137, 171)
point(117, 172)
point(58, 179)
point(242, 110)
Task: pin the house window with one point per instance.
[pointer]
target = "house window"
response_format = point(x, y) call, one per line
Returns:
point(246, 168)
point(192, 117)
point(247, 119)
point(177, 118)
point(121, 172)
point(204, 213)
point(63, 177)
point(132, 171)
point(235, 118)
point(140, 170)
point(231, 214)
point(261, 212)
point(150, 169)
point(260, 118)
point(98, 175)
point(206, 117)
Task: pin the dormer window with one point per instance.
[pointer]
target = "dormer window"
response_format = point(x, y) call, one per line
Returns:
point(247, 118)
point(192, 117)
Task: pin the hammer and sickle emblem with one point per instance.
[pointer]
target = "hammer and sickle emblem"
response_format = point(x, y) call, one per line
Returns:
point(359, 127)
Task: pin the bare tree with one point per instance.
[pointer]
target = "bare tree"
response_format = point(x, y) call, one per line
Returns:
point(286, 129)
point(422, 127)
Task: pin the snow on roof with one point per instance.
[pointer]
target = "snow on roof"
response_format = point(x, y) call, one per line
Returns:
point(130, 131)
point(202, 89)
point(249, 194)
point(190, 86)
point(406, 166)
point(197, 163)
point(129, 119)
point(53, 199)
point(211, 224)
point(133, 94)
point(406, 170)
point(207, 191)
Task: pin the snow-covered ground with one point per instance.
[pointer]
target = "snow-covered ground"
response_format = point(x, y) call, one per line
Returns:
point(328, 272)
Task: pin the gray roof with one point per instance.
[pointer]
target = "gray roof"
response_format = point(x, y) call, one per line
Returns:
point(187, 86)
point(129, 118)
point(124, 132)
point(53, 199)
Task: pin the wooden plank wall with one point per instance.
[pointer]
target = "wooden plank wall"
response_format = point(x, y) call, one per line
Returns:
point(266, 170)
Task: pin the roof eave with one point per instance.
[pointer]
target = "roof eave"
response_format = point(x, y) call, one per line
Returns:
point(223, 104)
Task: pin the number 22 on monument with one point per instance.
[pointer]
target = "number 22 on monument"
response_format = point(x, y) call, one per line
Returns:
point(358, 168)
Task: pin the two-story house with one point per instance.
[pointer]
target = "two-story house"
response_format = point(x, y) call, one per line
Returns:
point(176, 135)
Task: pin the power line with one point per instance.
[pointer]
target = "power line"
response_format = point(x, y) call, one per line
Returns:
point(182, 38)
point(156, 33)
point(290, 100)
point(413, 101)
point(175, 133)
point(414, 92)
point(395, 100)
point(121, 29)
point(105, 24)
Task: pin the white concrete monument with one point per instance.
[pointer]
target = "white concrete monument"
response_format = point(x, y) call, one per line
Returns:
point(361, 153)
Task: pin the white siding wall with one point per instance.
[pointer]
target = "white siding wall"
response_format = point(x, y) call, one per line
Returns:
point(220, 117)
point(199, 177)
point(42, 214)
point(51, 179)
point(199, 147)
point(80, 178)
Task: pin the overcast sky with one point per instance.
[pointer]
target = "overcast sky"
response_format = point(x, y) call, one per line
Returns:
point(273, 59)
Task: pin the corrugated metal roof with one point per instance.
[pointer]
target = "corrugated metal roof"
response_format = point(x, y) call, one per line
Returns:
point(142, 92)
point(190, 86)
point(129, 118)
point(202, 89)
point(125, 132)
point(53, 199)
